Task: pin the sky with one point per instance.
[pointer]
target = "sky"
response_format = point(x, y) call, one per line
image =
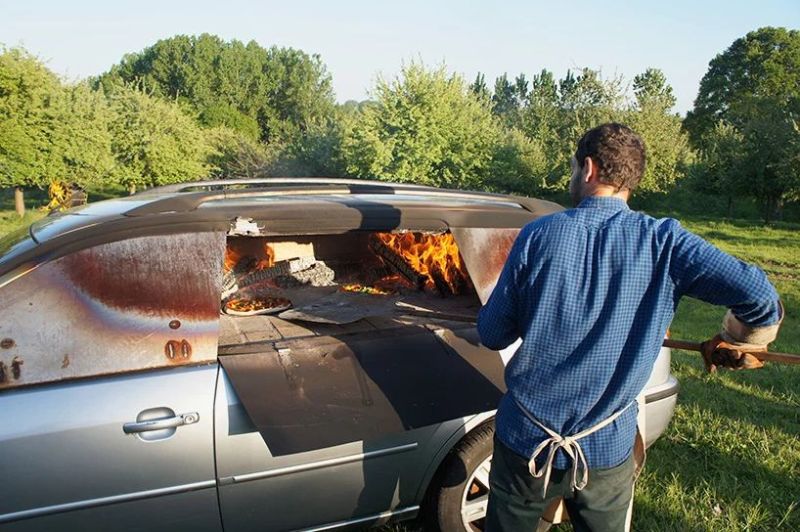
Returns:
point(361, 40)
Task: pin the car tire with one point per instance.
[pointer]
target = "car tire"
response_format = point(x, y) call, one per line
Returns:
point(458, 497)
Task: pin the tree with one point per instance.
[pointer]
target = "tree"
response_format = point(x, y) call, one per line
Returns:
point(504, 99)
point(720, 168)
point(77, 137)
point(154, 141)
point(542, 122)
point(754, 87)
point(26, 89)
point(236, 155)
point(584, 101)
point(479, 87)
point(509, 98)
point(275, 93)
point(771, 161)
point(425, 127)
point(765, 62)
point(521, 89)
point(668, 152)
point(652, 90)
point(519, 165)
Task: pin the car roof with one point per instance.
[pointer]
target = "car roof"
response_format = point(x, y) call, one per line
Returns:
point(299, 202)
point(247, 193)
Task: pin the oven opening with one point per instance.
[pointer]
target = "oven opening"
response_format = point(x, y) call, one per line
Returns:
point(280, 287)
point(331, 339)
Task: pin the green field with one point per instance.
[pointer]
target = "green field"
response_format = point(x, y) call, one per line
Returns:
point(731, 457)
point(730, 460)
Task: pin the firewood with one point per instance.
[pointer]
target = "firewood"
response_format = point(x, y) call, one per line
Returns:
point(284, 267)
point(397, 263)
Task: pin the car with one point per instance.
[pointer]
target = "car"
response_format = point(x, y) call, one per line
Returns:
point(268, 354)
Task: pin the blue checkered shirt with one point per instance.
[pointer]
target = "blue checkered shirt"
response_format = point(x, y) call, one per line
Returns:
point(591, 292)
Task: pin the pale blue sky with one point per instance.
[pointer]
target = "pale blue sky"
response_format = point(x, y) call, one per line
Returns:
point(358, 39)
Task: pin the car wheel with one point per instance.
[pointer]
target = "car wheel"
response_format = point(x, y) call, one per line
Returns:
point(460, 496)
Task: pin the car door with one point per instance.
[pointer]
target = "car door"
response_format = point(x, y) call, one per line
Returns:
point(322, 425)
point(109, 369)
point(348, 440)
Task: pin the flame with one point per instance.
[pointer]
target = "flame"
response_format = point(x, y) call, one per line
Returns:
point(232, 257)
point(268, 260)
point(234, 253)
point(433, 256)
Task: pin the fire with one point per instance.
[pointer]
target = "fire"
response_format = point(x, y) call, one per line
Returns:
point(269, 258)
point(235, 253)
point(436, 257)
point(232, 257)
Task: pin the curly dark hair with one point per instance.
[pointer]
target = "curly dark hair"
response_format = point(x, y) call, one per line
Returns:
point(617, 151)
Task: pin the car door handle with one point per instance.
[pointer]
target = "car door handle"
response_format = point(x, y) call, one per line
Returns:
point(136, 427)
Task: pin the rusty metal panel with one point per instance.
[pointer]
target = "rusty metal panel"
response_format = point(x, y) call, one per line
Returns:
point(141, 303)
point(319, 392)
point(484, 251)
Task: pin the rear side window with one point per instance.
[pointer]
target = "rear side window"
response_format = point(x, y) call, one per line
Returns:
point(135, 304)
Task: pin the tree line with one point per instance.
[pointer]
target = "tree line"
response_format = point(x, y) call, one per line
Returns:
point(194, 107)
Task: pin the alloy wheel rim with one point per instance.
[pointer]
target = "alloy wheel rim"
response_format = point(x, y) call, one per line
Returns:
point(475, 497)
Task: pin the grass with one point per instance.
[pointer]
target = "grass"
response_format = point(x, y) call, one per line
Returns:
point(10, 220)
point(730, 460)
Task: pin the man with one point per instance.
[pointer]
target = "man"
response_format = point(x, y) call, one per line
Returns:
point(591, 292)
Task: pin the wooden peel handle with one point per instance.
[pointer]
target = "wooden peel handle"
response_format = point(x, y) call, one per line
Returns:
point(783, 358)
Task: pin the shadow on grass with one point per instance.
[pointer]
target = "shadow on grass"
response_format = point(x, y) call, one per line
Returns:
point(718, 394)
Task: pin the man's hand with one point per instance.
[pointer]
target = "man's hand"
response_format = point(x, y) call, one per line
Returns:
point(719, 353)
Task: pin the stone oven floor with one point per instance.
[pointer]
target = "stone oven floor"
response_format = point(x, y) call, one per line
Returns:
point(411, 310)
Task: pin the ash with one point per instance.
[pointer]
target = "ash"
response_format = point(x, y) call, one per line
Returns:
point(317, 275)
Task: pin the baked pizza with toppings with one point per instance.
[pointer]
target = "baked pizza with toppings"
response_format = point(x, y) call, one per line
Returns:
point(259, 305)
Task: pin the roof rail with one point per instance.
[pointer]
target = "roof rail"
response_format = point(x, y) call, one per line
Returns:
point(187, 200)
point(222, 184)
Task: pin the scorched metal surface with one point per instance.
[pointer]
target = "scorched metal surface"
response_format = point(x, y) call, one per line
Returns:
point(140, 303)
point(318, 392)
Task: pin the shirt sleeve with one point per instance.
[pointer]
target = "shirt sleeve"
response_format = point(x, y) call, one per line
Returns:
point(701, 270)
point(497, 320)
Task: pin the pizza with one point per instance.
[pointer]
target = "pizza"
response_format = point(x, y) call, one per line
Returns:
point(359, 288)
point(260, 305)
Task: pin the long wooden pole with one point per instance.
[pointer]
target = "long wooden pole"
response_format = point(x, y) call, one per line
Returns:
point(764, 356)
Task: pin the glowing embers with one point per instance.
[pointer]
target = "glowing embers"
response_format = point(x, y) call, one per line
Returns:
point(427, 261)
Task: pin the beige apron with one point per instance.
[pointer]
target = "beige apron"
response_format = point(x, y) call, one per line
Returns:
point(556, 512)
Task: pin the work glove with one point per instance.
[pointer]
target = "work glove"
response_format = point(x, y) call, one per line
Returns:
point(719, 353)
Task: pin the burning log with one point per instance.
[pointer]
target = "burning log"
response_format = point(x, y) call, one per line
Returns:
point(440, 283)
point(244, 265)
point(397, 263)
point(233, 282)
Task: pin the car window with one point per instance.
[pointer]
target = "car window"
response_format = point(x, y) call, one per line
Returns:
point(129, 305)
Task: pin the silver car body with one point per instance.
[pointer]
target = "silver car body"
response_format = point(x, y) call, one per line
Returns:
point(85, 369)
